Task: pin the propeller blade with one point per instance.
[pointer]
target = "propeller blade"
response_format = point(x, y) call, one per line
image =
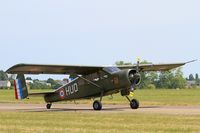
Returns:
point(138, 65)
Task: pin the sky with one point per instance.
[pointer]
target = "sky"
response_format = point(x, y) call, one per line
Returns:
point(99, 32)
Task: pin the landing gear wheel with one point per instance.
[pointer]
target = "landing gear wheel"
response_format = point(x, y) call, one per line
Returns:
point(134, 104)
point(97, 105)
point(48, 106)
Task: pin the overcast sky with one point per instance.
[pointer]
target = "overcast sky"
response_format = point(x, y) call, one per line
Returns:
point(99, 32)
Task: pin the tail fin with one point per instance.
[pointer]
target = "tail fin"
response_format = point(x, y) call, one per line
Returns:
point(21, 91)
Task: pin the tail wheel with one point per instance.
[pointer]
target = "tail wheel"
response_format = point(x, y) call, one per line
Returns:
point(134, 104)
point(48, 106)
point(97, 105)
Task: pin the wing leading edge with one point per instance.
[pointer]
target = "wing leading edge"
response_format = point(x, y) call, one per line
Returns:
point(52, 69)
point(83, 70)
point(156, 67)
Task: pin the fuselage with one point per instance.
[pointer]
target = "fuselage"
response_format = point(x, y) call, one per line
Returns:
point(79, 88)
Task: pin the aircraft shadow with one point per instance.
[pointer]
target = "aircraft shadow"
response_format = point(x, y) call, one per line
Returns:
point(107, 109)
point(69, 110)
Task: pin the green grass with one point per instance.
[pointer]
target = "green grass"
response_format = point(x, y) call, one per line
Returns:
point(105, 122)
point(183, 97)
point(77, 122)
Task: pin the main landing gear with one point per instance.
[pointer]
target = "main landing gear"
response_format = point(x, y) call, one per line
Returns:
point(97, 105)
point(48, 106)
point(134, 103)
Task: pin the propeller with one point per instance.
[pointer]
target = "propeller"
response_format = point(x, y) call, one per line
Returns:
point(135, 77)
point(138, 65)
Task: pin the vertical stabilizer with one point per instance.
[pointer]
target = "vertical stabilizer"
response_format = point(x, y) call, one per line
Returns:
point(21, 91)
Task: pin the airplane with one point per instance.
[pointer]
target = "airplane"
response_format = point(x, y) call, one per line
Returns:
point(90, 82)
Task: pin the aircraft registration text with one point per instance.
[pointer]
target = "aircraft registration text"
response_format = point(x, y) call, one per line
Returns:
point(71, 89)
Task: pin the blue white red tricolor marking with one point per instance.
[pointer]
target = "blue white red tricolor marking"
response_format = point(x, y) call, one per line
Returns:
point(18, 89)
point(62, 93)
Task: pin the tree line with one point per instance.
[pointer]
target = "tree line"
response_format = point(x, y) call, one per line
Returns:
point(45, 84)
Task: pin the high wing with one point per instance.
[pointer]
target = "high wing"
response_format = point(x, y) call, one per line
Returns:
point(154, 67)
point(52, 69)
point(83, 70)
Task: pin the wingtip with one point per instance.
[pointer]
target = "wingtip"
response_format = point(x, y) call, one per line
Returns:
point(191, 61)
point(9, 71)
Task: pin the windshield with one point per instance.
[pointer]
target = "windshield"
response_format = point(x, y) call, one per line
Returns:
point(111, 69)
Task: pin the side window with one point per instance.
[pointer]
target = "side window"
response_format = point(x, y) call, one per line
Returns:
point(103, 75)
point(81, 82)
point(88, 77)
point(95, 77)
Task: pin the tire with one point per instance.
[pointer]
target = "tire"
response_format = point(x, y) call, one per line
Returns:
point(48, 106)
point(97, 105)
point(134, 104)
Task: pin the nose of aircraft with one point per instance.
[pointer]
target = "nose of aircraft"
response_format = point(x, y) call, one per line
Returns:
point(134, 78)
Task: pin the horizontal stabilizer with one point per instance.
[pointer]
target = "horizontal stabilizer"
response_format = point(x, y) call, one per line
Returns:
point(42, 94)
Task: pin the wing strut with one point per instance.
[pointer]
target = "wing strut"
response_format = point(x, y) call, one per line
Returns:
point(96, 85)
point(92, 83)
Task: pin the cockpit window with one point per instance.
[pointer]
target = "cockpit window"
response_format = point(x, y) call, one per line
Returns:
point(111, 69)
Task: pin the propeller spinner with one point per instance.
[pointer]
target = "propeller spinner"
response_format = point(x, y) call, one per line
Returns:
point(135, 76)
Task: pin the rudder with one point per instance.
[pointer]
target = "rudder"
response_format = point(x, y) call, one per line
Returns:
point(21, 91)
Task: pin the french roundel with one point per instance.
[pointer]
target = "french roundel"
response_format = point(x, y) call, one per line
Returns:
point(62, 93)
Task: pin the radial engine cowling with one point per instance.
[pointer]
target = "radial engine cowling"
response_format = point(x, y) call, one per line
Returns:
point(134, 78)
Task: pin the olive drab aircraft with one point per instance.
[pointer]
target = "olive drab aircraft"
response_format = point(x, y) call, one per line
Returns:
point(90, 82)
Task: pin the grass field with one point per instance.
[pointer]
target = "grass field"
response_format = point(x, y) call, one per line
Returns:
point(63, 122)
point(183, 97)
point(101, 122)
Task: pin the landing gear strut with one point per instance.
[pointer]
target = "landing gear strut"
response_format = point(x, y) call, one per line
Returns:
point(134, 103)
point(48, 106)
point(97, 105)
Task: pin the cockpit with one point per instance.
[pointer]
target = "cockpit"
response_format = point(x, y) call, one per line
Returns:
point(111, 70)
point(102, 74)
